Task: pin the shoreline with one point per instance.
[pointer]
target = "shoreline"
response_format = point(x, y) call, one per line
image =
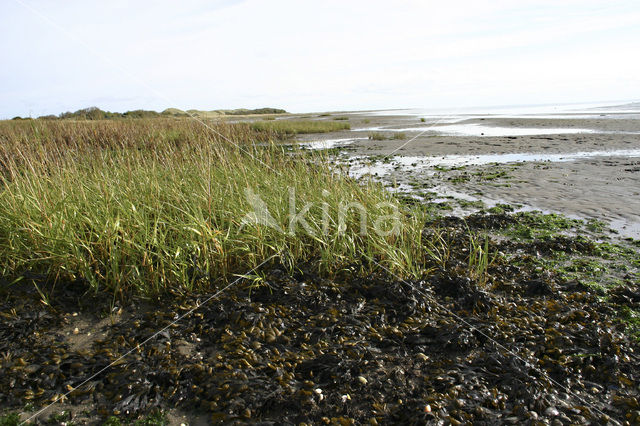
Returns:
point(603, 187)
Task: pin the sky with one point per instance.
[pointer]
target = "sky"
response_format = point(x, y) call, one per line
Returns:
point(307, 56)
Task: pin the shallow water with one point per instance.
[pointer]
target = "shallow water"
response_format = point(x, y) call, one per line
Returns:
point(329, 143)
point(626, 228)
point(473, 129)
point(423, 162)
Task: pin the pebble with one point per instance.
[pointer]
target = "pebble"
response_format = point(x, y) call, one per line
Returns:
point(551, 411)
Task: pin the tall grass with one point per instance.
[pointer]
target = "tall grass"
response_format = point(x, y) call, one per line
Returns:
point(479, 259)
point(287, 128)
point(377, 136)
point(145, 206)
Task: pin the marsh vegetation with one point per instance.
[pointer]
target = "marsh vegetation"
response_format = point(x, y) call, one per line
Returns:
point(288, 128)
point(148, 205)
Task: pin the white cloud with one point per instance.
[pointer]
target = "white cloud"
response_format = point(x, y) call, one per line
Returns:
point(315, 55)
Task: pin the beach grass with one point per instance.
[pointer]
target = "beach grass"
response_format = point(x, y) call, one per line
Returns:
point(377, 136)
point(288, 128)
point(151, 205)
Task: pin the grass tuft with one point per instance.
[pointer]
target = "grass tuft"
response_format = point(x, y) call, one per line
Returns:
point(377, 136)
point(288, 128)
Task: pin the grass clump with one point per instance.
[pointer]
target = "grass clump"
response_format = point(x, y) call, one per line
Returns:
point(501, 209)
point(288, 128)
point(479, 258)
point(377, 136)
point(145, 206)
point(595, 225)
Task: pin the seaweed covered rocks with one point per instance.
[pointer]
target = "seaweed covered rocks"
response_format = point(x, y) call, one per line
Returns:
point(304, 349)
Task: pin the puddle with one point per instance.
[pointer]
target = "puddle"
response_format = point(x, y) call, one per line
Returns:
point(329, 143)
point(626, 228)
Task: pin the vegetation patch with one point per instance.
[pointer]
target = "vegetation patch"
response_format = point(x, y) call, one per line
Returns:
point(289, 128)
point(535, 224)
point(95, 113)
point(377, 136)
point(148, 206)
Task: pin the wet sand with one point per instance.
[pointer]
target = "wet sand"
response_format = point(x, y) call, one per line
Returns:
point(603, 187)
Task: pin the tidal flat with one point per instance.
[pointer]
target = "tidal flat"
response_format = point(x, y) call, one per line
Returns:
point(133, 293)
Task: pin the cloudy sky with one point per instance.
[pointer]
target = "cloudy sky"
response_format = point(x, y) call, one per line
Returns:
point(314, 55)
